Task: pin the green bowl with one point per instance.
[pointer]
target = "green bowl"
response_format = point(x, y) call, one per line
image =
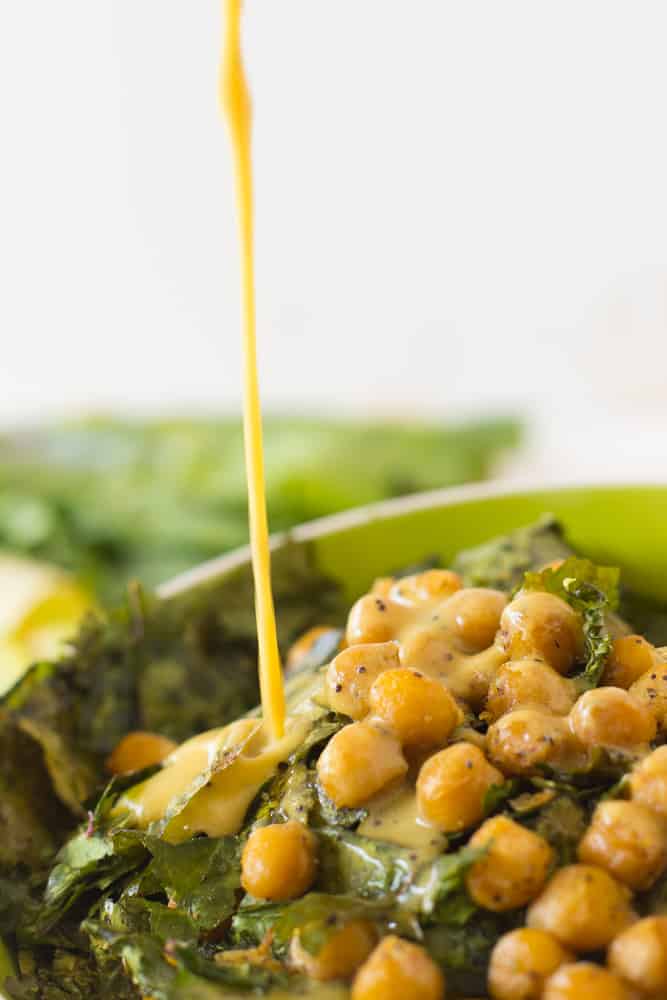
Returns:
point(616, 525)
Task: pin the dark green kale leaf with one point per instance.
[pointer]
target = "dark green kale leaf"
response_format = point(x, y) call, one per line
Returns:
point(463, 952)
point(562, 822)
point(502, 562)
point(442, 895)
point(354, 865)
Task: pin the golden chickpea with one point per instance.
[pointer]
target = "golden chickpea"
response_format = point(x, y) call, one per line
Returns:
point(628, 840)
point(359, 761)
point(451, 787)
point(527, 738)
point(630, 657)
point(542, 626)
point(303, 645)
point(138, 750)
point(582, 906)
point(651, 691)
point(422, 588)
point(398, 968)
point(418, 709)
point(611, 717)
point(473, 615)
point(382, 586)
point(522, 961)
point(373, 619)
point(342, 954)
point(529, 683)
point(639, 956)
point(514, 868)
point(350, 675)
point(279, 861)
point(584, 981)
point(648, 781)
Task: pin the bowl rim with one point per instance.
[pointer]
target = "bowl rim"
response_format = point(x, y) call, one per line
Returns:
point(385, 510)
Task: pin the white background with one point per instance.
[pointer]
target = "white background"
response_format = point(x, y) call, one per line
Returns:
point(461, 209)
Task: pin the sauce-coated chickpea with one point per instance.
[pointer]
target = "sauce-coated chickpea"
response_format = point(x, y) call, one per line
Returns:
point(611, 717)
point(527, 738)
point(630, 657)
point(359, 761)
point(451, 787)
point(279, 861)
point(648, 781)
point(584, 981)
point(582, 906)
point(138, 750)
point(350, 675)
point(522, 961)
point(651, 691)
point(398, 968)
point(473, 616)
point(529, 683)
point(542, 626)
point(514, 868)
point(418, 709)
point(628, 840)
point(639, 955)
point(421, 588)
point(374, 619)
point(344, 951)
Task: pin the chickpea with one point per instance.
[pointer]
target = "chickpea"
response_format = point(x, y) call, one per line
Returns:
point(651, 691)
point(382, 586)
point(359, 761)
point(527, 738)
point(473, 615)
point(648, 781)
point(522, 961)
point(513, 870)
point(398, 968)
point(627, 840)
point(279, 861)
point(432, 585)
point(584, 981)
point(630, 657)
point(374, 619)
point(342, 954)
point(543, 626)
point(639, 955)
point(451, 787)
point(611, 717)
point(533, 683)
point(303, 645)
point(350, 675)
point(582, 906)
point(138, 750)
point(418, 709)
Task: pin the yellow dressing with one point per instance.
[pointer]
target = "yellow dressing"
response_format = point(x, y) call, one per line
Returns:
point(393, 817)
point(235, 99)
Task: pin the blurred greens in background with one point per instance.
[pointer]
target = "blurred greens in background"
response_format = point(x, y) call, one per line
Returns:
point(113, 500)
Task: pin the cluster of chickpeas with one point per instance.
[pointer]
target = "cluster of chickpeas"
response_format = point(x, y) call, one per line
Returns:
point(420, 654)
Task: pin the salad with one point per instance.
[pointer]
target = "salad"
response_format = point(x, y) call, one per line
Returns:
point(470, 798)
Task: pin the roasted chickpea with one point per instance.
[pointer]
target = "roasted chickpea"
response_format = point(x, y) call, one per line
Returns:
point(350, 675)
point(651, 691)
point(527, 738)
point(342, 954)
point(418, 709)
point(138, 750)
point(514, 868)
point(451, 787)
point(611, 717)
point(373, 619)
point(639, 956)
point(279, 861)
point(359, 761)
point(473, 616)
point(648, 781)
point(542, 626)
point(582, 906)
point(628, 840)
point(630, 657)
point(584, 981)
point(529, 683)
point(432, 585)
point(398, 968)
point(522, 961)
